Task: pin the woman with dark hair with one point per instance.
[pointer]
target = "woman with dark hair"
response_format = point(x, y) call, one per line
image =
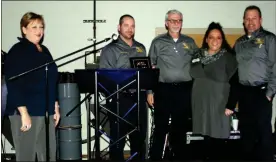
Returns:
point(212, 67)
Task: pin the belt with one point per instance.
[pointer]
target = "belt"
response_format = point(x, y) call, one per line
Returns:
point(260, 86)
point(176, 83)
point(131, 91)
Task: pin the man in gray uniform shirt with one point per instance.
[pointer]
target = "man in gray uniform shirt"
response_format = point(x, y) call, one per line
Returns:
point(171, 53)
point(256, 56)
point(116, 56)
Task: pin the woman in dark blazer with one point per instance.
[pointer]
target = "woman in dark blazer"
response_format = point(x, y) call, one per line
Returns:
point(29, 94)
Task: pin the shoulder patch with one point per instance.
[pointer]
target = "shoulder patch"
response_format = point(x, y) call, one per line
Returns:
point(139, 49)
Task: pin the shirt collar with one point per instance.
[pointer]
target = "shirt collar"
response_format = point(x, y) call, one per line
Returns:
point(179, 39)
point(122, 42)
point(256, 33)
point(29, 43)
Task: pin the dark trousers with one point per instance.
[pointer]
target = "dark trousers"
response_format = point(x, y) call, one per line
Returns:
point(255, 112)
point(171, 100)
point(212, 149)
point(119, 128)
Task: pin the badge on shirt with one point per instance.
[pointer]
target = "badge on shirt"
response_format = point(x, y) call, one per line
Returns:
point(185, 45)
point(259, 41)
point(139, 49)
point(195, 60)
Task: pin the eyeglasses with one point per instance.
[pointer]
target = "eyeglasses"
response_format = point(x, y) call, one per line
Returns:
point(175, 21)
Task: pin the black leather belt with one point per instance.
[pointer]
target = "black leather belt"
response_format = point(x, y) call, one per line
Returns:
point(260, 86)
point(131, 91)
point(176, 83)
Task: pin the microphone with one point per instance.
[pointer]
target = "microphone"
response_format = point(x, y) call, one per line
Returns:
point(114, 36)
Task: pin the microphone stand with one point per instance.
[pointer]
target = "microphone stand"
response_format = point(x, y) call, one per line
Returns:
point(47, 116)
point(46, 81)
point(60, 58)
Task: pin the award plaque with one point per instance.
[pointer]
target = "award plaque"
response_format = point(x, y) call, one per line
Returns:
point(140, 62)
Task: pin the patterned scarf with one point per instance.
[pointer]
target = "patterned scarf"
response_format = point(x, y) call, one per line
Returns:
point(203, 56)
